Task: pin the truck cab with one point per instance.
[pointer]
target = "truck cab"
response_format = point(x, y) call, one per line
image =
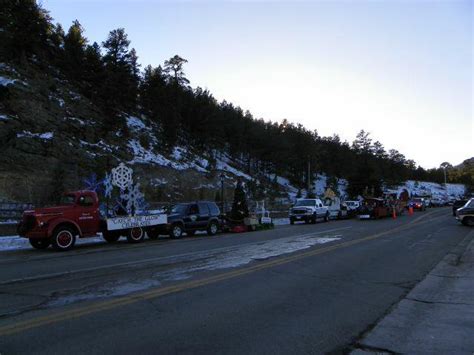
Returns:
point(465, 214)
point(374, 208)
point(77, 214)
point(308, 210)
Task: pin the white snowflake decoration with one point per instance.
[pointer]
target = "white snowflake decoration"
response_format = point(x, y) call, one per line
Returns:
point(108, 187)
point(124, 200)
point(133, 197)
point(122, 176)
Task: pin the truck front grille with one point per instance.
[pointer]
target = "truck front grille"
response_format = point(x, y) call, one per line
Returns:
point(27, 224)
point(299, 211)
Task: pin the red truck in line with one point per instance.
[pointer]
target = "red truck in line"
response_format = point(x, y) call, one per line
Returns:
point(78, 215)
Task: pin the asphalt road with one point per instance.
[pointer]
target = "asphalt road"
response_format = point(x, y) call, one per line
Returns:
point(295, 289)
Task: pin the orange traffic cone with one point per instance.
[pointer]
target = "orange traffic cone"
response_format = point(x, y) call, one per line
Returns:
point(410, 210)
point(394, 213)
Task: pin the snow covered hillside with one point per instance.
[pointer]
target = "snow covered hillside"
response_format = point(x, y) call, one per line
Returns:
point(423, 188)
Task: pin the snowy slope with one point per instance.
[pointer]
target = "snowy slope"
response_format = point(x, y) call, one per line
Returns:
point(420, 188)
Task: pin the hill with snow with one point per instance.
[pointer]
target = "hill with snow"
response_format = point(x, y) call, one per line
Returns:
point(52, 134)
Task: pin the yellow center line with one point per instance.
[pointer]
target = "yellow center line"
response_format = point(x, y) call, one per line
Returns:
point(154, 293)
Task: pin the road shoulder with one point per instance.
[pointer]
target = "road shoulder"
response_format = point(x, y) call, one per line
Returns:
point(437, 316)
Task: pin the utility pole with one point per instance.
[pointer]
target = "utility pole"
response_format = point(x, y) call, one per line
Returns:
point(445, 166)
point(445, 185)
point(222, 178)
point(309, 175)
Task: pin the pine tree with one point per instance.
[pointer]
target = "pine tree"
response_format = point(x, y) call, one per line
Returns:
point(135, 67)
point(158, 101)
point(26, 29)
point(239, 206)
point(93, 73)
point(57, 184)
point(174, 69)
point(74, 45)
point(121, 84)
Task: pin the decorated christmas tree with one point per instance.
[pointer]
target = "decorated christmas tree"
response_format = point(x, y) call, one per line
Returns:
point(240, 209)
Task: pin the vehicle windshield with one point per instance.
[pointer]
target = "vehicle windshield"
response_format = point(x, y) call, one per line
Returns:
point(67, 200)
point(305, 203)
point(178, 209)
point(470, 203)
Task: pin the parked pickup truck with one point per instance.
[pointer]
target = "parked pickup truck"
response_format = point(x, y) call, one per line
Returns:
point(465, 214)
point(78, 215)
point(308, 210)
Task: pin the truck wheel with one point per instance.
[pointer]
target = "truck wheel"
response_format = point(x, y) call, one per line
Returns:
point(314, 219)
point(212, 228)
point(64, 238)
point(326, 217)
point(40, 243)
point(135, 235)
point(468, 221)
point(176, 231)
point(292, 221)
point(111, 237)
point(339, 215)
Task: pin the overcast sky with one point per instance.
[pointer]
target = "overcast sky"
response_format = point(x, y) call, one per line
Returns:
point(401, 70)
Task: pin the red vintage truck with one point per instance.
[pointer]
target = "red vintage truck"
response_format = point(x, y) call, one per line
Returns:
point(78, 215)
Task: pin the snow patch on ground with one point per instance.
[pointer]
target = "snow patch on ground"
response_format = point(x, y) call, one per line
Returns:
point(284, 182)
point(280, 221)
point(158, 181)
point(209, 260)
point(223, 164)
point(74, 95)
point(181, 158)
point(135, 123)
point(9, 221)
point(148, 156)
point(18, 243)
point(80, 121)
point(100, 144)
point(205, 186)
point(28, 134)
point(109, 289)
point(4, 81)
point(242, 255)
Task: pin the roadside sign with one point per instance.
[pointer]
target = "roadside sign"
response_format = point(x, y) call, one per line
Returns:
point(135, 221)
